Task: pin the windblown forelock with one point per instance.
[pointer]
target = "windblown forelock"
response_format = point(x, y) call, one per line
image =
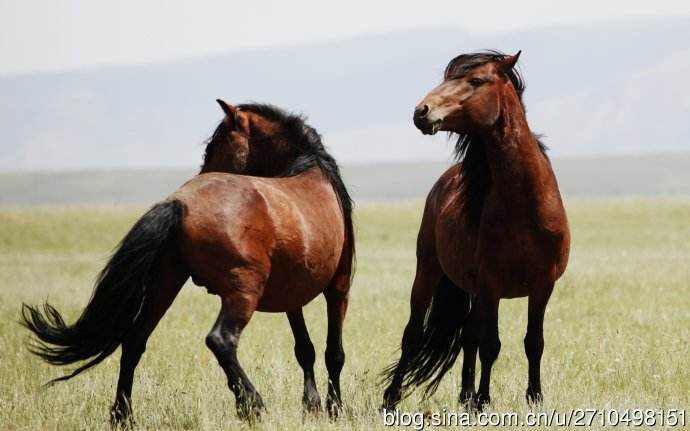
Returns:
point(464, 63)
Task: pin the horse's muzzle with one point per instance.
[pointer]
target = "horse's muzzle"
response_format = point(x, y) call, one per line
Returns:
point(423, 123)
point(419, 118)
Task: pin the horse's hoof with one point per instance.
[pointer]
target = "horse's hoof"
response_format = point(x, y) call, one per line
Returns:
point(334, 408)
point(534, 398)
point(466, 398)
point(481, 401)
point(391, 398)
point(311, 404)
point(121, 416)
point(387, 407)
point(249, 414)
point(249, 408)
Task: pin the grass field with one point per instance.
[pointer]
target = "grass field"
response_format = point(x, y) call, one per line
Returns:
point(617, 328)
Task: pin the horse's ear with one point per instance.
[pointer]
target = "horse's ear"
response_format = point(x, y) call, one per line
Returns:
point(507, 64)
point(230, 112)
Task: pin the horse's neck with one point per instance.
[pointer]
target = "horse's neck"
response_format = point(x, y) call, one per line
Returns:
point(259, 163)
point(313, 173)
point(519, 169)
point(270, 157)
point(212, 166)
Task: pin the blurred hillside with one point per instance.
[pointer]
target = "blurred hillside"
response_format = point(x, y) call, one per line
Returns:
point(665, 175)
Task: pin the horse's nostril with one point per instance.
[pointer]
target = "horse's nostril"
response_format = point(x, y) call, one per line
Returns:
point(423, 111)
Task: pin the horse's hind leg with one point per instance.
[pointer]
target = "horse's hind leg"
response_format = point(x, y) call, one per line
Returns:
point(237, 307)
point(534, 342)
point(426, 279)
point(337, 296)
point(171, 278)
point(304, 351)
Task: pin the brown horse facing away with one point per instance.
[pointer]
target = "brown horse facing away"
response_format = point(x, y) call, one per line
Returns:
point(271, 242)
point(493, 227)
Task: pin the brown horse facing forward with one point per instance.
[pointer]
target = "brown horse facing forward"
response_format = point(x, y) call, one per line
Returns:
point(493, 227)
point(269, 242)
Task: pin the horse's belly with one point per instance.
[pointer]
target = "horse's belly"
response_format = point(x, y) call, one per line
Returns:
point(301, 269)
point(292, 287)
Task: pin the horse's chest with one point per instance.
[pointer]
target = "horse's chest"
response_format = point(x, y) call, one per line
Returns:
point(456, 244)
point(514, 254)
point(517, 254)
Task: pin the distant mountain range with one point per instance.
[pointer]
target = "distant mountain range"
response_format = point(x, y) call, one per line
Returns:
point(605, 88)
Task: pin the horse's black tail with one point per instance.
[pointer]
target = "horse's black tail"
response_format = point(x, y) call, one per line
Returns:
point(117, 300)
point(440, 342)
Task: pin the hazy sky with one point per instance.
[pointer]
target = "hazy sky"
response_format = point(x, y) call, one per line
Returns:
point(40, 35)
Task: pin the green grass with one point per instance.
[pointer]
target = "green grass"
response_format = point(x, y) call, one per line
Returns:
point(617, 327)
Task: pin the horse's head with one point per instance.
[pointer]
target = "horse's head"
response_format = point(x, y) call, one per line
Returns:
point(246, 142)
point(470, 96)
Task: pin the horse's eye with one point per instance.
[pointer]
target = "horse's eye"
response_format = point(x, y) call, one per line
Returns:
point(476, 82)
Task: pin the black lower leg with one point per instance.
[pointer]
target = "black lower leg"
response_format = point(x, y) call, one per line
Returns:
point(121, 411)
point(489, 348)
point(306, 356)
point(426, 281)
point(336, 303)
point(172, 277)
point(470, 345)
point(534, 348)
point(223, 341)
point(335, 359)
point(410, 344)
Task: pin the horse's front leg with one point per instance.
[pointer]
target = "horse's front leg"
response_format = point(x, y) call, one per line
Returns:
point(470, 345)
point(305, 354)
point(489, 345)
point(534, 342)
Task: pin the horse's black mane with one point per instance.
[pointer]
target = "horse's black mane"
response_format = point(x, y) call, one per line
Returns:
point(469, 149)
point(309, 152)
point(215, 141)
